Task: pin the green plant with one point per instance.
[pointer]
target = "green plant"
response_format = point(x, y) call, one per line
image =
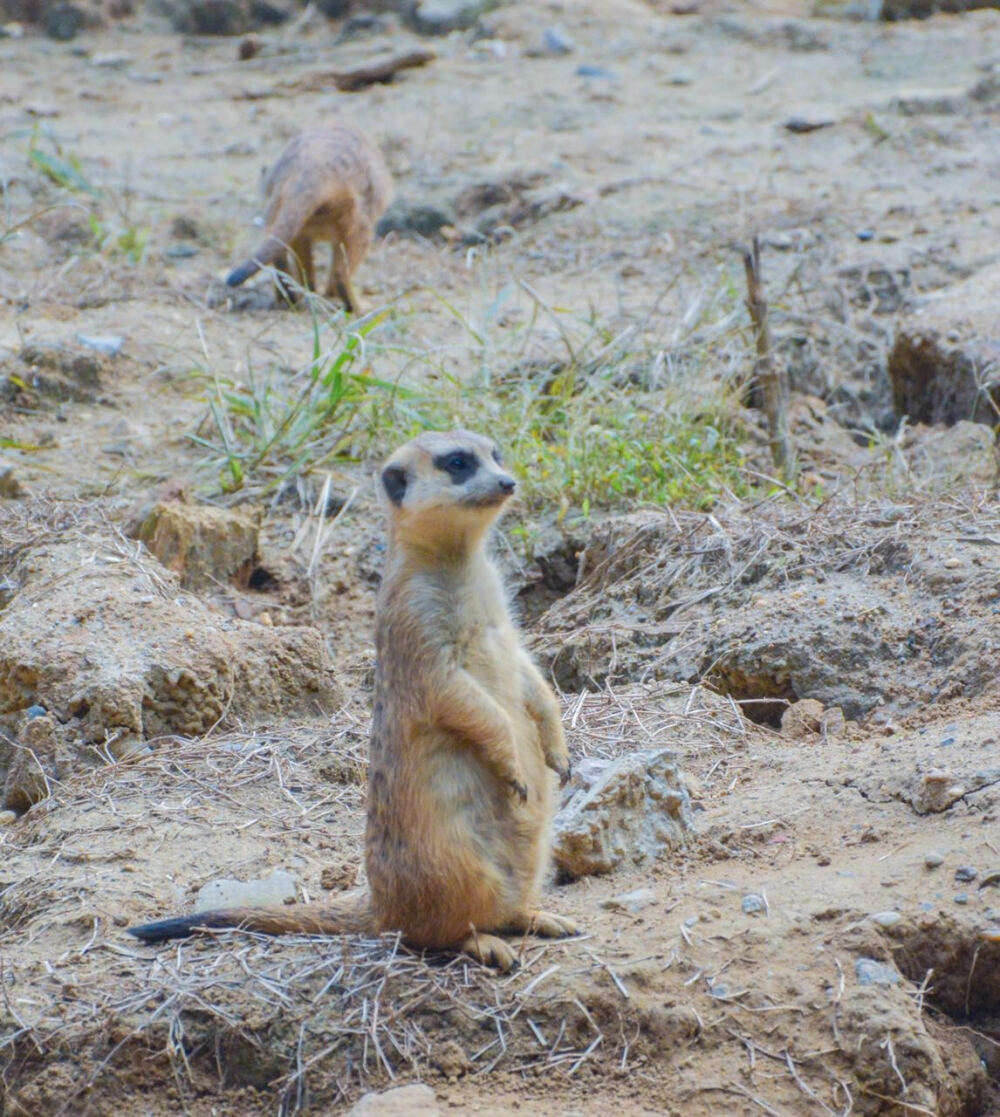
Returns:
point(129, 240)
point(277, 424)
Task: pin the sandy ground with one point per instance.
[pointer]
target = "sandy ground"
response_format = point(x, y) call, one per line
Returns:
point(691, 1004)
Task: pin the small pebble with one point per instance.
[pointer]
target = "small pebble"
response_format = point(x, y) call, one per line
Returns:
point(181, 251)
point(588, 71)
point(952, 563)
point(926, 905)
point(962, 898)
point(886, 918)
point(718, 991)
point(112, 60)
point(865, 234)
point(632, 902)
point(933, 859)
point(33, 712)
point(946, 741)
point(752, 903)
point(556, 41)
point(965, 873)
point(7, 817)
point(110, 345)
point(870, 972)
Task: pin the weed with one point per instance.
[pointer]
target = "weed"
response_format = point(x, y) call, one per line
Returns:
point(578, 431)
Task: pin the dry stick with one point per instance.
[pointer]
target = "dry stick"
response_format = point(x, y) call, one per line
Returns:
point(768, 387)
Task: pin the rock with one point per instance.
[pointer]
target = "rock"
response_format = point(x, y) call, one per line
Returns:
point(416, 1100)
point(886, 918)
point(110, 345)
point(893, 10)
point(632, 902)
point(966, 873)
point(944, 365)
point(413, 219)
point(962, 898)
point(753, 904)
point(203, 545)
point(35, 757)
point(800, 124)
point(7, 817)
point(224, 17)
point(870, 972)
point(64, 22)
point(556, 41)
point(106, 640)
point(278, 888)
point(10, 487)
point(634, 812)
point(933, 860)
point(438, 17)
point(803, 719)
point(586, 70)
point(938, 791)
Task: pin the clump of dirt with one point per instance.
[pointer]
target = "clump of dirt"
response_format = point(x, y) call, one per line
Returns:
point(65, 650)
point(772, 606)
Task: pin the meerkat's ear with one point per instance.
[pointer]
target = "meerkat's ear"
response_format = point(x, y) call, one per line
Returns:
point(394, 483)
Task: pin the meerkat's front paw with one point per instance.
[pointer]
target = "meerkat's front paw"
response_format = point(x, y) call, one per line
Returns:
point(519, 788)
point(559, 762)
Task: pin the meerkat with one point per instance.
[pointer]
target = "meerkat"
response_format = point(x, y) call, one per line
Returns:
point(330, 183)
point(466, 739)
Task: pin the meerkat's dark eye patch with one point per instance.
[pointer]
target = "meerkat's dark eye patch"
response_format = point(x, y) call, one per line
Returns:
point(460, 465)
point(497, 456)
point(394, 483)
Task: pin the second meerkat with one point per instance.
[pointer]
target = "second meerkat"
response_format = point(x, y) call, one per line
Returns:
point(466, 734)
point(330, 183)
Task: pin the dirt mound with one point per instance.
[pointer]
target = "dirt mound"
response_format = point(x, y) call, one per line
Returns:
point(886, 605)
point(69, 650)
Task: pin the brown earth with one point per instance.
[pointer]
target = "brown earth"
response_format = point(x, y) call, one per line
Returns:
point(828, 941)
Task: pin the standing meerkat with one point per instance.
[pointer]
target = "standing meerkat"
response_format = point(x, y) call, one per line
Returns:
point(466, 734)
point(330, 183)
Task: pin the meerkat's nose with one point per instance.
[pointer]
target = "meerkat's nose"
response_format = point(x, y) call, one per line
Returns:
point(507, 484)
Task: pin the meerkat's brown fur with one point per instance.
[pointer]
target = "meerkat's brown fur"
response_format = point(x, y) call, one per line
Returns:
point(330, 183)
point(466, 734)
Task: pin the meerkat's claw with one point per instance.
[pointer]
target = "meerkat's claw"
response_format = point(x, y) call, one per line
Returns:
point(519, 789)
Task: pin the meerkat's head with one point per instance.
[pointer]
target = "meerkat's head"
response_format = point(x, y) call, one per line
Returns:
point(444, 489)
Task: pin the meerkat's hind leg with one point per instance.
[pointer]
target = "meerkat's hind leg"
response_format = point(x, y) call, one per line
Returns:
point(544, 924)
point(339, 283)
point(490, 951)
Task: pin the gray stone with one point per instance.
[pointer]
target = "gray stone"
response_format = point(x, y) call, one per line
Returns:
point(752, 904)
point(631, 902)
point(965, 873)
point(438, 17)
point(962, 898)
point(933, 859)
point(110, 346)
point(416, 1100)
point(886, 918)
point(556, 41)
point(634, 812)
point(228, 893)
point(10, 487)
point(870, 972)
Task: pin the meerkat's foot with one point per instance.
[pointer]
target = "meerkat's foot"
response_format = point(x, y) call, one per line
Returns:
point(489, 950)
point(518, 788)
point(545, 925)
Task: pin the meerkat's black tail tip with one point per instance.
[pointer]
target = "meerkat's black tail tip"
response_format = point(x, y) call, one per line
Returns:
point(181, 927)
point(242, 273)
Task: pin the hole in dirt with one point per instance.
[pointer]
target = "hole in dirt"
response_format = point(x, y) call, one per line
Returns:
point(960, 968)
point(762, 698)
point(555, 576)
point(262, 580)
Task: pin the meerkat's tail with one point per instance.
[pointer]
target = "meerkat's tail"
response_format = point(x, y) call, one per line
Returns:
point(286, 225)
point(350, 914)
